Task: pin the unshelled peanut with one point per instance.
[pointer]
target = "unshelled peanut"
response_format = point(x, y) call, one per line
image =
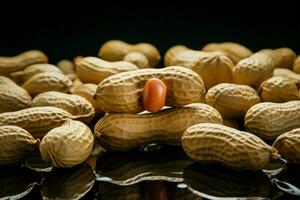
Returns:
point(123, 92)
point(138, 59)
point(296, 65)
point(232, 100)
point(66, 66)
point(228, 146)
point(94, 70)
point(127, 131)
point(269, 120)
point(67, 145)
point(287, 74)
point(116, 50)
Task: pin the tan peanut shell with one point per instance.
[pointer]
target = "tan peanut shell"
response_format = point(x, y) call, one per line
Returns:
point(288, 145)
point(278, 89)
point(13, 97)
point(19, 62)
point(115, 50)
point(37, 120)
point(6, 81)
point(222, 144)
point(213, 67)
point(234, 51)
point(232, 100)
point(127, 131)
point(76, 105)
point(296, 65)
point(28, 72)
point(138, 59)
point(94, 70)
point(269, 120)
point(66, 66)
point(16, 143)
point(283, 57)
point(253, 70)
point(87, 91)
point(48, 81)
point(122, 92)
point(67, 145)
point(288, 74)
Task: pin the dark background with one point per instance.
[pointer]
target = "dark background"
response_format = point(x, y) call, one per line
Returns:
point(66, 32)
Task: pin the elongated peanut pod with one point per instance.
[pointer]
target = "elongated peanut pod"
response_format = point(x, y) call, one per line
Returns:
point(127, 131)
point(292, 76)
point(138, 59)
point(233, 148)
point(296, 65)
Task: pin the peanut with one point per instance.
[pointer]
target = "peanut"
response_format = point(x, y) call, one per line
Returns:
point(28, 72)
point(234, 51)
point(123, 92)
point(94, 70)
point(67, 145)
point(19, 62)
point(269, 120)
point(288, 145)
point(213, 67)
point(76, 105)
point(87, 91)
point(48, 81)
point(15, 144)
point(115, 50)
point(138, 59)
point(127, 131)
point(288, 74)
point(283, 57)
point(228, 146)
point(66, 66)
point(232, 100)
point(37, 120)
point(296, 66)
point(13, 97)
point(278, 89)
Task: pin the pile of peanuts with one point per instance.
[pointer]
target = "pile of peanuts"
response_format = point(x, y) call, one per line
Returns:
point(223, 104)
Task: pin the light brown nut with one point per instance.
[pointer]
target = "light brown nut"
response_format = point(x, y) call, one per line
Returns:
point(5, 80)
point(278, 89)
point(28, 72)
point(94, 70)
point(138, 59)
point(87, 91)
point(234, 51)
point(127, 131)
point(270, 120)
point(19, 62)
point(115, 50)
point(76, 105)
point(213, 67)
point(66, 66)
point(48, 81)
point(296, 66)
point(37, 120)
point(228, 146)
point(287, 74)
point(123, 92)
point(288, 145)
point(232, 100)
point(13, 97)
point(67, 145)
point(16, 143)
point(283, 57)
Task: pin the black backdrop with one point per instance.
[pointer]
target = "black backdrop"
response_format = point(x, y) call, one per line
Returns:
point(65, 32)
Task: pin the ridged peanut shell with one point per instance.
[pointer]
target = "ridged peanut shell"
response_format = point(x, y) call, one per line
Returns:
point(232, 100)
point(127, 131)
point(287, 74)
point(123, 92)
point(288, 145)
point(296, 65)
point(283, 57)
point(16, 143)
point(76, 105)
point(37, 120)
point(66, 66)
point(115, 50)
point(67, 145)
point(5, 80)
point(269, 120)
point(24, 75)
point(228, 146)
point(278, 89)
point(138, 59)
point(48, 81)
point(19, 62)
point(172, 52)
point(94, 70)
point(234, 51)
point(13, 98)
